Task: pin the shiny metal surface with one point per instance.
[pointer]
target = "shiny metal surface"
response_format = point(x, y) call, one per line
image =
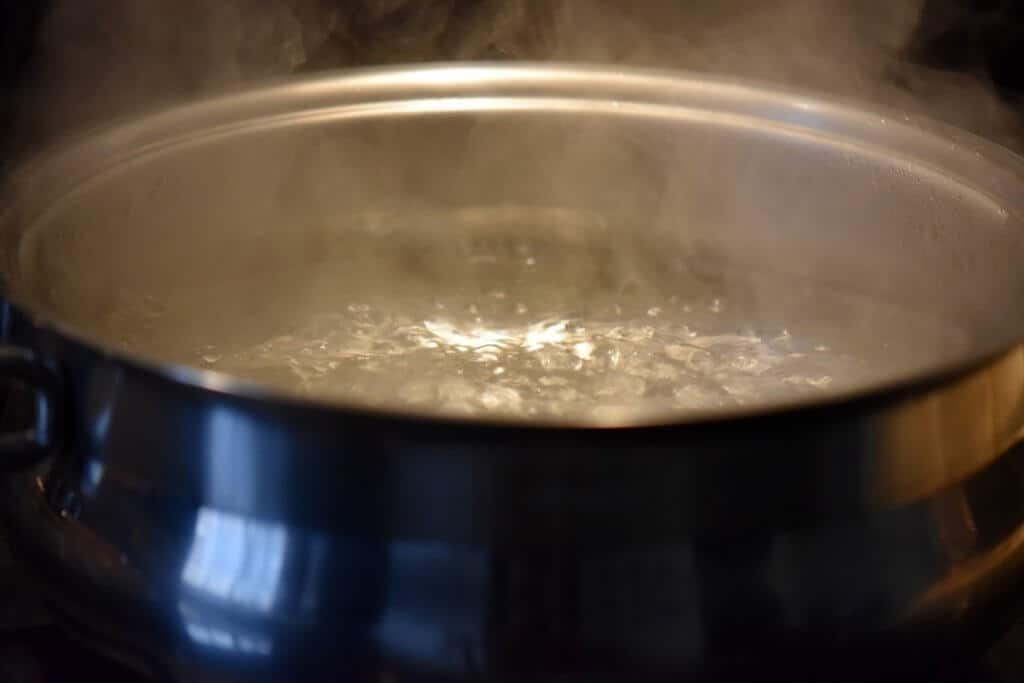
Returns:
point(214, 531)
point(38, 440)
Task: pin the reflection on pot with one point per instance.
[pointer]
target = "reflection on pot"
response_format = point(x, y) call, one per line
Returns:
point(230, 641)
point(236, 560)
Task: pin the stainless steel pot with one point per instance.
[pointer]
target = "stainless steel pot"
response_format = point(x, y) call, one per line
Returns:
point(201, 525)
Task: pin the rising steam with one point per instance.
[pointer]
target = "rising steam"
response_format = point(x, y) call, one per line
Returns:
point(101, 58)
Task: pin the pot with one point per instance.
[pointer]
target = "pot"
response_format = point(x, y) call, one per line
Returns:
point(205, 526)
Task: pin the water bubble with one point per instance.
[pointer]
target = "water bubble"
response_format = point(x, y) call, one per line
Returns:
point(622, 354)
point(611, 354)
point(742, 388)
point(744, 363)
point(554, 358)
point(488, 354)
point(631, 333)
point(680, 352)
point(583, 350)
point(500, 397)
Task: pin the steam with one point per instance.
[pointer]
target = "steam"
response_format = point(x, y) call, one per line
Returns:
point(97, 59)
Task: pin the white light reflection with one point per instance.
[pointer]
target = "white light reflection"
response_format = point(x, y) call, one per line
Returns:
point(232, 443)
point(93, 474)
point(101, 425)
point(531, 338)
point(221, 639)
point(236, 559)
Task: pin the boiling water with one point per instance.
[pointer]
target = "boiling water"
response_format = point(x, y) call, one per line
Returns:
point(457, 363)
point(563, 320)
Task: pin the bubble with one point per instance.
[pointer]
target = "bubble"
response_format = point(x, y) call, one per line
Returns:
point(744, 363)
point(611, 354)
point(639, 333)
point(496, 397)
point(528, 364)
point(557, 359)
point(741, 388)
point(583, 350)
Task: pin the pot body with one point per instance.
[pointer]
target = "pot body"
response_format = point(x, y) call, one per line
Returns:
point(201, 533)
point(205, 529)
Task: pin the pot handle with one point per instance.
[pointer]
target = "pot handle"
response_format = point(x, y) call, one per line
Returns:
point(26, 447)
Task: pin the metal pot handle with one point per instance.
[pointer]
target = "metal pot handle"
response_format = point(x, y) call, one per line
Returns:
point(26, 447)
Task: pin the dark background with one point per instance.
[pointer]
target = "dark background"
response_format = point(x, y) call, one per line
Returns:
point(65, 64)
